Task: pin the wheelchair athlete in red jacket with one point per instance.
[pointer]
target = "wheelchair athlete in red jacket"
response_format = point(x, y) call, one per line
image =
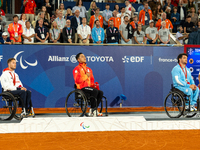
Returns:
point(84, 80)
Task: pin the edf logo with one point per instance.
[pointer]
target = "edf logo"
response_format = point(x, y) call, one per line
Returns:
point(133, 59)
point(1, 57)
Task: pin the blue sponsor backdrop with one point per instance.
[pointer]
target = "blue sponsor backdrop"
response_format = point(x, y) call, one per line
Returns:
point(193, 52)
point(142, 73)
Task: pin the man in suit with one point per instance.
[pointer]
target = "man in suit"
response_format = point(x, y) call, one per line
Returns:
point(182, 11)
point(75, 22)
point(68, 33)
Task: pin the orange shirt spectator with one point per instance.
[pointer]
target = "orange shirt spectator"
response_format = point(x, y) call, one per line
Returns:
point(168, 22)
point(116, 20)
point(142, 16)
point(30, 8)
point(15, 30)
point(134, 25)
point(96, 16)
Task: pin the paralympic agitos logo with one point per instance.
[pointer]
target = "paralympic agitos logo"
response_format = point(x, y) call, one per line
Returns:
point(21, 61)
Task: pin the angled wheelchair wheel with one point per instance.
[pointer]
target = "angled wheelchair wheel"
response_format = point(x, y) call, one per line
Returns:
point(174, 105)
point(76, 104)
point(17, 115)
point(192, 114)
point(8, 106)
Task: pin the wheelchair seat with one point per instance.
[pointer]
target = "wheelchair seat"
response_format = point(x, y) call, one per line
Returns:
point(173, 89)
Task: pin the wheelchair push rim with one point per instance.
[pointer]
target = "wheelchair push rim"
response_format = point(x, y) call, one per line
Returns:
point(189, 114)
point(76, 104)
point(8, 106)
point(174, 105)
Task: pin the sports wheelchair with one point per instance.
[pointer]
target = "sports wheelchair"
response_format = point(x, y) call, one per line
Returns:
point(11, 106)
point(175, 104)
point(77, 102)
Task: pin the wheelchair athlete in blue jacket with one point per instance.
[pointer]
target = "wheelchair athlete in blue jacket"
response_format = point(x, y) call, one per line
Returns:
point(182, 80)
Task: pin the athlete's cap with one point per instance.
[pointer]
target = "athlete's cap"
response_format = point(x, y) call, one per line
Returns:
point(5, 34)
point(150, 21)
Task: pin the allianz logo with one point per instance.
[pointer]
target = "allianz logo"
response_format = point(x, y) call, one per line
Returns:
point(88, 58)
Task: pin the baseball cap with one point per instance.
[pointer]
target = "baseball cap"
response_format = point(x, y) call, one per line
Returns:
point(5, 34)
point(150, 21)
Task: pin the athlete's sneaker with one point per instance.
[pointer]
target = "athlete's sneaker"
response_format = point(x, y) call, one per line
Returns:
point(23, 114)
point(187, 108)
point(94, 113)
point(99, 114)
point(90, 114)
point(193, 108)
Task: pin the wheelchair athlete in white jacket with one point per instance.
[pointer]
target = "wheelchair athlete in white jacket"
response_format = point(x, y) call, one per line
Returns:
point(10, 82)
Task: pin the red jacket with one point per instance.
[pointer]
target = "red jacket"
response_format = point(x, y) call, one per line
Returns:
point(175, 3)
point(80, 77)
point(142, 16)
point(15, 28)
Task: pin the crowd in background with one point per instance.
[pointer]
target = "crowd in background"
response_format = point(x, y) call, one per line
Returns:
point(152, 23)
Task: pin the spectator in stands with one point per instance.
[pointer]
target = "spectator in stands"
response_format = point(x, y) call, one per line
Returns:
point(142, 6)
point(139, 35)
point(79, 6)
point(91, 10)
point(194, 16)
point(116, 20)
point(46, 14)
point(46, 23)
point(112, 33)
point(116, 7)
point(15, 30)
point(84, 32)
point(41, 32)
point(198, 25)
point(198, 13)
point(39, 3)
point(75, 22)
point(145, 16)
point(69, 14)
point(2, 15)
point(168, 22)
point(54, 33)
point(189, 6)
point(151, 33)
point(96, 16)
point(55, 15)
point(30, 8)
point(8, 5)
point(135, 22)
point(5, 39)
point(168, 4)
point(2, 25)
point(164, 34)
point(175, 3)
point(129, 10)
point(107, 14)
point(28, 33)
point(126, 31)
point(23, 20)
point(175, 19)
point(168, 12)
point(188, 25)
point(122, 14)
point(61, 21)
point(157, 13)
point(62, 9)
point(179, 36)
point(182, 11)
point(98, 33)
point(49, 7)
point(68, 33)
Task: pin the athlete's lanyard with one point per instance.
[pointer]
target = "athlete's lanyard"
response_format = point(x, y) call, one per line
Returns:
point(98, 32)
point(68, 32)
point(14, 79)
point(111, 30)
point(83, 28)
point(42, 30)
point(14, 27)
point(185, 73)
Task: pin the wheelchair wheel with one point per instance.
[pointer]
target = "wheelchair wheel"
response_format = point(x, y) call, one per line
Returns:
point(192, 114)
point(174, 105)
point(76, 104)
point(8, 106)
point(17, 115)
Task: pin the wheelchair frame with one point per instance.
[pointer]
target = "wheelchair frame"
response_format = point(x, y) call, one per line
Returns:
point(85, 100)
point(182, 99)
